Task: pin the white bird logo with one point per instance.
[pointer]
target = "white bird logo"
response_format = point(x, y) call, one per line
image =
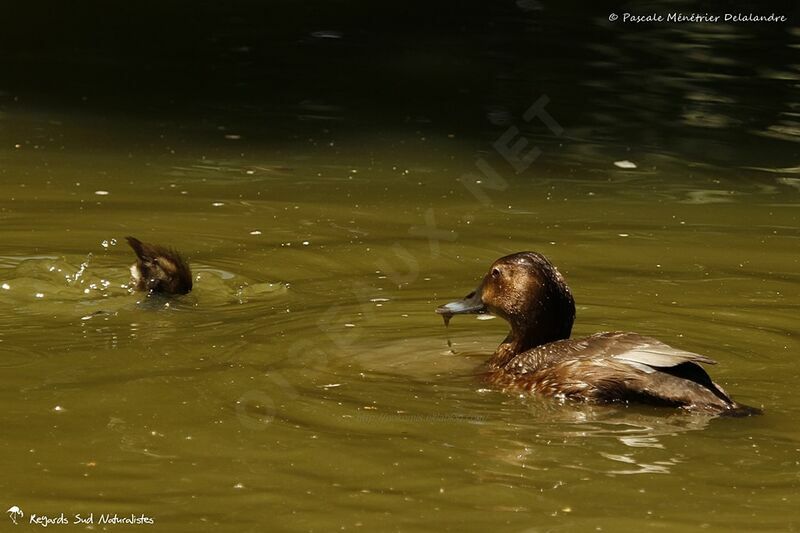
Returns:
point(15, 512)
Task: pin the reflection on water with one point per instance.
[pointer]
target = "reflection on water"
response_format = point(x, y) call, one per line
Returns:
point(647, 436)
point(709, 197)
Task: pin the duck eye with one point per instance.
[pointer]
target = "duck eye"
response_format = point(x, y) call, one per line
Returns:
point(495, 273)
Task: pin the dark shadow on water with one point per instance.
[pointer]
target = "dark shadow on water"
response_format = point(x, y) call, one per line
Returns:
point(274, 71)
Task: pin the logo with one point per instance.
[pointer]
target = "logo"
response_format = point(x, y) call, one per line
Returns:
point(105, 519)
point(15, 512)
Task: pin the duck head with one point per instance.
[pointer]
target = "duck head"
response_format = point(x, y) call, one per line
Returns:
point(529, 293)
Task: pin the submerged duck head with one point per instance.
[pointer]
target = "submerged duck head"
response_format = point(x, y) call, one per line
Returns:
point(527, 291)
point(159, 269)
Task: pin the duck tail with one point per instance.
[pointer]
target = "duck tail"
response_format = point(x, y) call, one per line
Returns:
point(137, 245)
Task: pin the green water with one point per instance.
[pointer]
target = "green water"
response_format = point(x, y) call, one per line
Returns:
point(306, 384)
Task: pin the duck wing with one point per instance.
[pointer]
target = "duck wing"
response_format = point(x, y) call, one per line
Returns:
point(647, 353)
point(620, 366)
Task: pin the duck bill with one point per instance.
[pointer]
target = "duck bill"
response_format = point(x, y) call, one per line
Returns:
point(470, 304)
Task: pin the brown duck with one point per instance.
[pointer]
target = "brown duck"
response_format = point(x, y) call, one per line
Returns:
point(159, 269)
point(527, 291)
